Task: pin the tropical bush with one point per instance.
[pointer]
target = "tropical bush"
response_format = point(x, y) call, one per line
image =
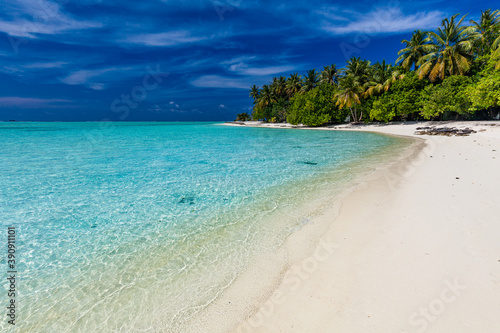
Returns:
point(315, 107)
point(448, 99)
point(485, 95)
point(402, 101)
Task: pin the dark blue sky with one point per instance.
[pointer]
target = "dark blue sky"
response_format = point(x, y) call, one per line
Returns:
point(188, 59)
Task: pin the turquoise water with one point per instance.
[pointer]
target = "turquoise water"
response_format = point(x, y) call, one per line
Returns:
point(139, 226)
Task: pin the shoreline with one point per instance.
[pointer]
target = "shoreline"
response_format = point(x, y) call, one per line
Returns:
point(391, 268)
point(267, 270)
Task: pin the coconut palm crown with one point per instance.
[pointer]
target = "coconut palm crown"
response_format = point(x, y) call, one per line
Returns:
point(450, 50)
point(417, 47)
point(487, 29)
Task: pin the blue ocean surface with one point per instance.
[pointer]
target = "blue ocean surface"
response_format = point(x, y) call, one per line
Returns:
point(137, 227)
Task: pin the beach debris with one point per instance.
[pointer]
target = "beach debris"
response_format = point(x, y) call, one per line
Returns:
point(309, 163)
point(446, 131)
point(457, 177)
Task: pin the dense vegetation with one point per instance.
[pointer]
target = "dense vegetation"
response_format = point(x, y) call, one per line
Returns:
point(450, 73)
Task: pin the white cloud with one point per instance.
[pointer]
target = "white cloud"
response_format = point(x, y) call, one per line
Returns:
point(97, 86)
point(84, 76)
point(239, 60)
point(243, 69)
point(332, 13)
point(386, 20)
point(97, 79)
point(46, 18)
point(222, 106)
point(170, 38)
point(28, 102)
point(10, 69)
point(216, 81)
point(43, 65)
point(171, 102)
point(242, 65)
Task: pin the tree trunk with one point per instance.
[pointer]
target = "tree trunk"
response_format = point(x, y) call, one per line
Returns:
point(353, 118)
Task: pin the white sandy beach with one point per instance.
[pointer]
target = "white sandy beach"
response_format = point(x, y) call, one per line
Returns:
point(416, 248)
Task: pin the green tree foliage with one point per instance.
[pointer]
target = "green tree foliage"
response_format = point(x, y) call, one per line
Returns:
point(495, 55)
point(382, 77)
point(416, 48)
point(266, 97)
point(243, 117)
point(384, 108)
point(353, 86)
point(349, 96)
point(255, 93)
point(279, 110)
point(485, 94)
point(311, 80)
point(261, 112)
point(315, 107)
point(329, 75)
point(448, 99)
point(450, 50)
point(402, 101)
point(486, 30)
point(359, 69)
point(454, 76)
point(293, 84)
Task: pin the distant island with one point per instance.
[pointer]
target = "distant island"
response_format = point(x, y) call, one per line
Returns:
point(452, 73)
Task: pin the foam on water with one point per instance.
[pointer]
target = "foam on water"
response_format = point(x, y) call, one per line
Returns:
point(140, 226)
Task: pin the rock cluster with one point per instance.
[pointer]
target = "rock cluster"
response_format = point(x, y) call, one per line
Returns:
point(447, 131)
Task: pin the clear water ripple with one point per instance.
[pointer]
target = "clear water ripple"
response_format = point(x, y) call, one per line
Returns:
point(137, 227)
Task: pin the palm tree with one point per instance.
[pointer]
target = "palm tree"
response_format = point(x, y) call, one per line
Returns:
point(329, 75)
point(486, 29)
point(450, 50)
point(294, 84)
point(310, 80)
point(416, 48)
point(383, 76)
point(267, 96)
point(243, 117)
point(350, 93)
point(496, 52)
point(254, 93)
point(281, 87)
point(359, 69)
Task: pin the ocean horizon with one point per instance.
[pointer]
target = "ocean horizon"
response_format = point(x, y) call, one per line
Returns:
point(141, 226)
